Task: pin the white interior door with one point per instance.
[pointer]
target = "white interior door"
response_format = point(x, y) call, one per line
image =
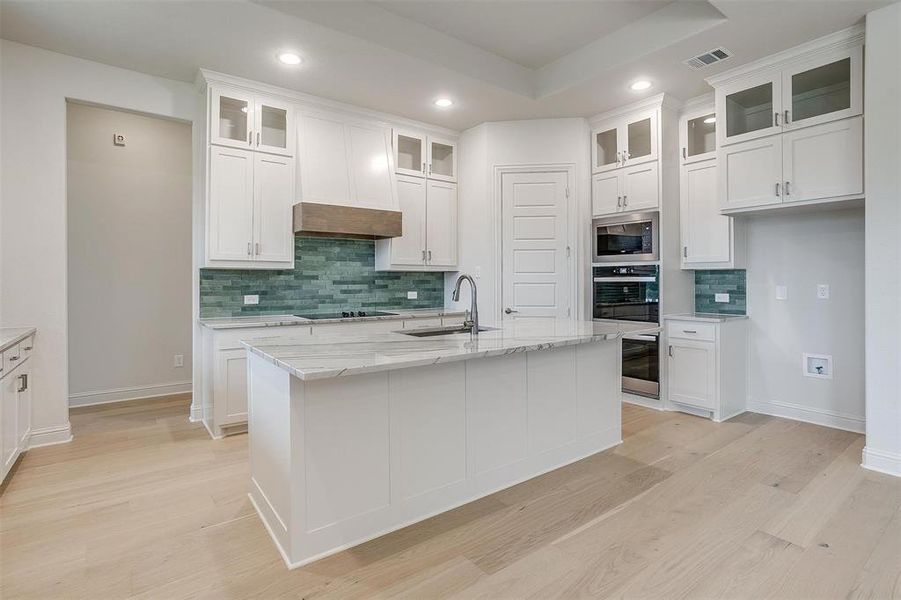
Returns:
point(535, 245)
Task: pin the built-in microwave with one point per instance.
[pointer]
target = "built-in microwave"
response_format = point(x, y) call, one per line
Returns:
point(625, 238)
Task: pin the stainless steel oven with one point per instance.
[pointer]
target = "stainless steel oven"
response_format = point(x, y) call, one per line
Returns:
point(625, 238)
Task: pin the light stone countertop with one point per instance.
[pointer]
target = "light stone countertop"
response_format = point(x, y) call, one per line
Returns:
point(287, 320)
point(337, 355)
point(13, 335)
point(705, 317)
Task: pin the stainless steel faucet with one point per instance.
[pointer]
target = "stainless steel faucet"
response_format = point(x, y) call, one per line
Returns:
point(473, 321)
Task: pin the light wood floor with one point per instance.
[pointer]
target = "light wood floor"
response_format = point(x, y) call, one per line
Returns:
point(144, 504)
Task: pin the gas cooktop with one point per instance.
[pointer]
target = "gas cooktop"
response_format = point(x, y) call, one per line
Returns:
point(347, 314)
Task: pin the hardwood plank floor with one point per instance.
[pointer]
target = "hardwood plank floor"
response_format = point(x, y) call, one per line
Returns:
point(144, 504)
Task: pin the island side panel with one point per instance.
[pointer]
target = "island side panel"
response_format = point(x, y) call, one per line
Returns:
point(599, 393)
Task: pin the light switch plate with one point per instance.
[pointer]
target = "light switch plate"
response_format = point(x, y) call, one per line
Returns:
point(781, 292)
point(721, 298)
point(251, 299)
point(412, 295)
point(823, 291)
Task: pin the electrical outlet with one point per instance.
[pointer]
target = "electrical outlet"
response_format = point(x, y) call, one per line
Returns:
point(721, 298)
point(178, 360)
point(477, 273)
point(823, 291)
point(412, 295)
point(781, 292)
point(251, 299)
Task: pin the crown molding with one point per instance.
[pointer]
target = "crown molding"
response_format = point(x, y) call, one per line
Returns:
point(661, 100)
point(698, 102)
point(843, 39)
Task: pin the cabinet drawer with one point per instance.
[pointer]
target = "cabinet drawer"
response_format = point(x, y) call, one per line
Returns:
point(26, 347)
point(691, 330)
point(12, 357)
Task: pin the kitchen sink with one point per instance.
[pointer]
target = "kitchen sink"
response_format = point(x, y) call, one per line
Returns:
point(450, 330)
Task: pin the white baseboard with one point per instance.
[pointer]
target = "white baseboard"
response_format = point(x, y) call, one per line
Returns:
point(817, 416)
point(882, 461)
point(129, 393)
point(642, 401)
point(49, 436)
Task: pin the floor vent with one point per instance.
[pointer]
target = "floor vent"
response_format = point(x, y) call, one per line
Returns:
point(708, 58)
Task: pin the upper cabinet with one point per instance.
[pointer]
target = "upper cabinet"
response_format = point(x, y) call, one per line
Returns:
point(244, 120)
point(697, 135)
point(624, 141)
point(419, 155)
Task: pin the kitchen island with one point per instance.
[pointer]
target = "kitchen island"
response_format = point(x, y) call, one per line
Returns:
point(354, 436)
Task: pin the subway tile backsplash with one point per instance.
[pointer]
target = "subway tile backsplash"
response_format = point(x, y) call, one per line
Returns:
point(329, 274)
point(730, 281)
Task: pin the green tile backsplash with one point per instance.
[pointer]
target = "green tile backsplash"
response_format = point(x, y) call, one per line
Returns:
point(329, 274)
point(730, 281)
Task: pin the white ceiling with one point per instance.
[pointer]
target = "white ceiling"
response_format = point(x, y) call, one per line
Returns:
point(498, 60)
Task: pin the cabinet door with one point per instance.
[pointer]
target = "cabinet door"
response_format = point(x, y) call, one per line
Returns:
point(231, 118)
point(606, 196)
point(706, 234)
point(691, 373)
point(9, 420)
point(823, 161)
point(230, 216)
point(324, 176)
point(409, 249)
point(370, 160)
point(230, 387)
point(641, 187)
point(442, 159)
point(751, 173)
point(749, 109)
point(441, 224)
point(823, 89)
point(606, 148)
point(697, 136)
point(640, 136)
point(274, 126)
point(273, 178)
point(410, 153)
point(23, 394)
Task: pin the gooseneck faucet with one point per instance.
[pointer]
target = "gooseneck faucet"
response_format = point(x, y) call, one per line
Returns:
point(474, 303)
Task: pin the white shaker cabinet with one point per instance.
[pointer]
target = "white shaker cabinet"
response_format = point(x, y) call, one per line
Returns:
point(441, 224)
point(824, 161)
point(631, 188)
point(418, 154)
point(273, 178)
point(624, 140)
point(751, 173)
point(242, 119)
point(15, 403)
point(606, 194)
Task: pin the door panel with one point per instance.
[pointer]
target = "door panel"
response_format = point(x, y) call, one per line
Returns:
point(606, 149)
point(273, 198)
point(824, 161)
point(441, 223)
point(641, 187)
point(692, 373)
point(25, 382)
point(535, 232)
point(824, 89)
point(9, 420)
point(371, 170)
point(410, 153)
point(442, 159)
point(274, 129)
point(409, 249)
point(231, 204)
point(706, 234)
point(640, 137)
point(751, 173)
point(231, 118)
point(606, 196)
point(748, 110)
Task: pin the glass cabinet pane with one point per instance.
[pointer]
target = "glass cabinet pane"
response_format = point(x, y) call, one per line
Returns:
point(701, 135)
point(639, 138)
point(409, 153)
point(606, 147)
point(233, 118)
point(273, 126)
point(821, 90)
point(749, 110)
point(442, 159)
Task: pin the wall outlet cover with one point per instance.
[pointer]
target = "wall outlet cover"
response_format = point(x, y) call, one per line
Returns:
point(823, 291)
point(721, 298)
point(251, 299)
point(817, 365)
point(178, 360)
point(412, 295)
point(781, 292)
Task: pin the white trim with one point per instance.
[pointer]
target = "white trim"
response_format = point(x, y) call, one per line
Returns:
point(129, 393)
point(704, 102)
point(661, 100)
point(50, 436)
point(881, 461)
point(196, 414)
point(807, 414)
point(642, 401)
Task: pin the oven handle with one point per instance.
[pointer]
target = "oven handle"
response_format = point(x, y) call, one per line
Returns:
point(640, 336)
point(624, 279)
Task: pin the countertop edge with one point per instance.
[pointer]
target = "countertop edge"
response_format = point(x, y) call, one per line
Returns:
point(221, 323)
point(23, 332)
point(704, 317)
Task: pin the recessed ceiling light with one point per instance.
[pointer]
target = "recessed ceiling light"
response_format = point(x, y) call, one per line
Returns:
point(641, 84)
point(710, 120)
point(289, 58)
point(444, 102)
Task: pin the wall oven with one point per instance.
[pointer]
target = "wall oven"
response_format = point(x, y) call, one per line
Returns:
point(631, 293)
point(625, 238)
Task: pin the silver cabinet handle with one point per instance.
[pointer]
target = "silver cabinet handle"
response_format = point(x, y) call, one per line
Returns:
point(256, 248)
point(786, 119)
point(249, 138)
point(13, 358)
point(684, 153)
point(510, 311)
point(28, 348)
point(625, 200)
point(619, 201)
point(788, 189)
point(430, 256)
point(423, 255)
point(258, 138)
point(423, 168)
point(249, 251)
point(689, 331)
point(776, 119)
point(777, 189)
point(23, 379)
point(619, 157)
point(685, 251)
point(670, 352)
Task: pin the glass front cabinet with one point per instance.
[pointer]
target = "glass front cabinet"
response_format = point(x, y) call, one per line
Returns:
point(243, 120)
point(623, 142)
point(419, 155)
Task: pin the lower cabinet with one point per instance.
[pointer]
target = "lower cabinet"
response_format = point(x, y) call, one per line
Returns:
point(706, 366)
point(15, 404)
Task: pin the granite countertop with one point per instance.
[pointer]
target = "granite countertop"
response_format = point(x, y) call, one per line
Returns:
point(13, 335)
point(324, 356)
point(287, 320)
point(706, 317)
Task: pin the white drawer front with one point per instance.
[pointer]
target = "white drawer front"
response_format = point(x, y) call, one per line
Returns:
point(691, 330)
point(26, 347)
point(12, 358)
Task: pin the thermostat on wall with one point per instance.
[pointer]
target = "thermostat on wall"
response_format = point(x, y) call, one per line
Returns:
point(118, 139)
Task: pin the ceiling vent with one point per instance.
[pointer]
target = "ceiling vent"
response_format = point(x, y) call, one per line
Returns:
point(708, 58)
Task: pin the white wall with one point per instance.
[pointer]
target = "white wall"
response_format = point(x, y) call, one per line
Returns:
point(129, 255)
point(482, 148)
point(33, 96)
point(883, 245)
point(801, 251)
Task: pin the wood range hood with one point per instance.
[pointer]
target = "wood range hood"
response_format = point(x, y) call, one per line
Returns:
point(335, 220)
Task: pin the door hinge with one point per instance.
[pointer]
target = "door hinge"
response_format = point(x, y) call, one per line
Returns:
point(568, 252)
